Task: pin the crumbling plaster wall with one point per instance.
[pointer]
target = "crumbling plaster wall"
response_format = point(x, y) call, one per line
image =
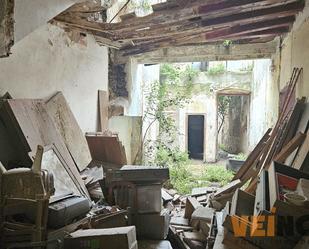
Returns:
point(295, 53)
point(32, 14)
point(264, 99)
point(47, 61)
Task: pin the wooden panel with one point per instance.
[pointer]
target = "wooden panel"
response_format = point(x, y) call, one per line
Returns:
point(290, 147)
point(35, 127)
point(302, 153)
point(103, 110)
point(59, 110)
point(106, 148)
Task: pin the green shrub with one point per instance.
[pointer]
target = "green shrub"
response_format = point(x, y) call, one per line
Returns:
point(240, 156)
point(217, 174)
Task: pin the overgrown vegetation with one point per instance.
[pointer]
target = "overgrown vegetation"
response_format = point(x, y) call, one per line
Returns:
point(223, 107)
point(184, 180)
point(173, 90)
point(218, 69)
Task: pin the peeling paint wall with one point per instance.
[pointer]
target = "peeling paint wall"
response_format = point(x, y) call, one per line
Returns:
point(47, 61)
point(295, 53)
point(32, 14)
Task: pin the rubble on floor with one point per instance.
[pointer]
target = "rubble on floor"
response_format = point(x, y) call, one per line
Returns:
point(52, 196)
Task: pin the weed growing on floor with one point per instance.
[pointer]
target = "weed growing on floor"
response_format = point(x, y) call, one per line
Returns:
point(215, 173)
point(183, 179)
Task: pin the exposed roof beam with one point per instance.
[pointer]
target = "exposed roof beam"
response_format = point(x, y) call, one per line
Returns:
point(209, 52)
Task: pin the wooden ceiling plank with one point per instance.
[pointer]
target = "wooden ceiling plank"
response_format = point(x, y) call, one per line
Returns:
point(204, 25)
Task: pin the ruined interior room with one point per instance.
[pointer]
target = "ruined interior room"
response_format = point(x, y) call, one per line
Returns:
point(154, 124)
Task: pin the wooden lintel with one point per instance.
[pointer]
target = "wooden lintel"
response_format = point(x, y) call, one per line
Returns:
point(209, 52)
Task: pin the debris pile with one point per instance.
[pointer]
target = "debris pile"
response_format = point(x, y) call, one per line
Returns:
point(61, 189)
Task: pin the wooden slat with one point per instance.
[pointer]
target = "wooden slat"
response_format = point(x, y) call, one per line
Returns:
point(103, 109)
point(302, 153)
point(290, 147)
point(253, 156)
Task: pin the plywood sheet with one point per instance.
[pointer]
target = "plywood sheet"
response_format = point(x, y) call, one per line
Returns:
point(106, 149)
point(34, 127)
point(73, 137)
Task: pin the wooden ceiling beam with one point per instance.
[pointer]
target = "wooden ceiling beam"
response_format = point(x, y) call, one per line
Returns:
point(178, 16)
point(205, 52)
point(206, 25)
point(225, 33)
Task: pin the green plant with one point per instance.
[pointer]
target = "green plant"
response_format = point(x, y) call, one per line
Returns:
point(223, 107)
point(174, 90)
point(222, 147)
point(217, 174)
point(144, 5)
point(240, 156)
point(227, 43)
point(218, 69)
point(181, 179)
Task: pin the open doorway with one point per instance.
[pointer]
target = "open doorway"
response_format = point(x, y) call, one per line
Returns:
point(196, 136)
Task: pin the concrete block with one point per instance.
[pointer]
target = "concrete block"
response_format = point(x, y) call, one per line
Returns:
point(191, 205)
point(200, 217)
point(203, 213)
point(112, 238)
point(153, 226)
point(149, 198)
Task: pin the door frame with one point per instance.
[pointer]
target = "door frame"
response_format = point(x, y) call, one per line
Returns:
point(187, 129)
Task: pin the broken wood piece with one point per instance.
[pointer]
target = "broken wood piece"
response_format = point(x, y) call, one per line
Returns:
point(253, 156)
point(302, 153)
point(296, 142)
point(106, 148)
point(202, 191)
point(103, 109)
point(179, 221)
point(183, 228)
point(228, 188)
point(166, 196)
point(191, 205)
point(69, 129)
